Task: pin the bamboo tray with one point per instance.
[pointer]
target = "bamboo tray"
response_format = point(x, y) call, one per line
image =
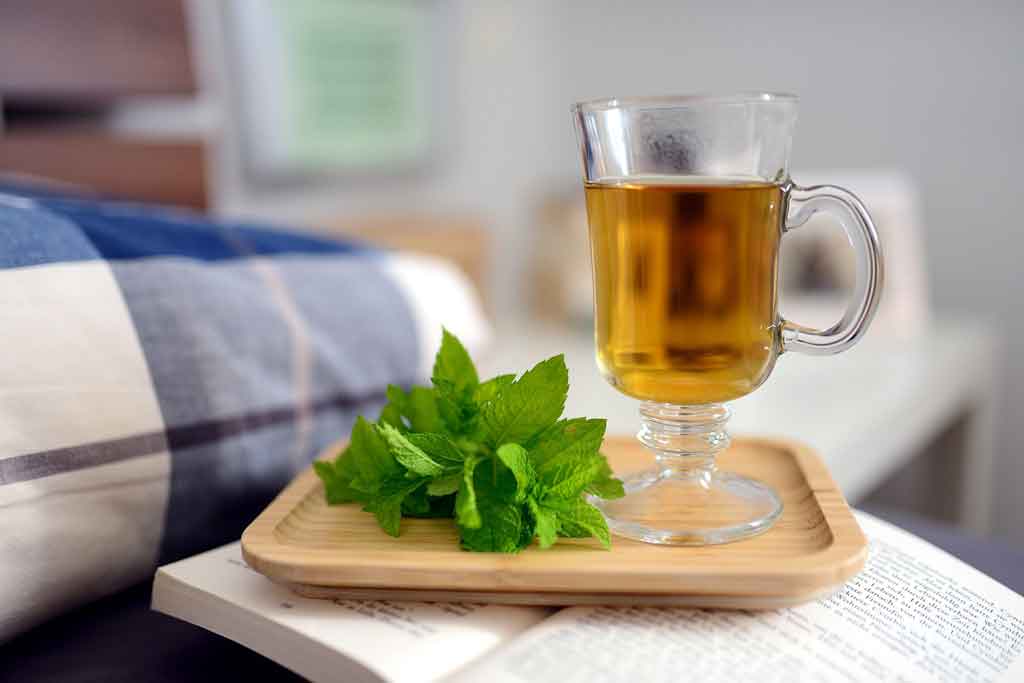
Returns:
point(340, 552)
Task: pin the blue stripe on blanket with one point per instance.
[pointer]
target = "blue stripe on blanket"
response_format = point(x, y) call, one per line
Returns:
point(127, 231)
point(119, 231)
point(29, 237)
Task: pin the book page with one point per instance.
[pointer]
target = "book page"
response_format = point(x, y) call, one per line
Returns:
point(399, 641)
point(914, 614)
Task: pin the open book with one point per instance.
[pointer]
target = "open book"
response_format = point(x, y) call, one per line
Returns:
point(914, 614)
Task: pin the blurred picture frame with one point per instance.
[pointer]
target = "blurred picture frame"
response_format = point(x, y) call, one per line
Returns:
point(340, 87)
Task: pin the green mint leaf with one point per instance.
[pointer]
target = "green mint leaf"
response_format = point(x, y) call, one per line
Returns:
point(529, 528)
point(501, 530)
point(609, 489)
point(394, 410)
point(409, 454)
point(388, 514)
point(493, 455)
point(443, 486)
point(440, 448)
point(502, 525)
point(568, 461)
point(468, 446)
point(458, 411)
point(372, 464)
point(386, 505)
point(415, 411)
point(337, 482)
point(422, 410)
point(527, 406)
point(397, 397)
point(453, 367)
point(566, 440)
point(571, 478)
point(605, 485)
point(325, 470)
point(455, 380)
point(501, 517)
point(489, 390)
point(517, 461)
point(392, 415)
point(545, 524)
point(453, 416)
point(420, 503)
point(579, 519)
point(416, 504)
point(466, 513)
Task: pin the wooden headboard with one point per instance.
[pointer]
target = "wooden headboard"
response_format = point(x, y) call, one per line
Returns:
point(64, 64)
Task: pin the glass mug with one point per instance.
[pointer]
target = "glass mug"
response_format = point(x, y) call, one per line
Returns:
point(687, 201)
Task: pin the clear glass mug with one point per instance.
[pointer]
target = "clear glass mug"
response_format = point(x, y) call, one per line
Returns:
point(688, 199)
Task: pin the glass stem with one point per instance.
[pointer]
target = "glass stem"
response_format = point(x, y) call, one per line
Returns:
point(684, 439)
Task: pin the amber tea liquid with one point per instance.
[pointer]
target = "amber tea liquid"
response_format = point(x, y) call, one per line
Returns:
point(685, 285)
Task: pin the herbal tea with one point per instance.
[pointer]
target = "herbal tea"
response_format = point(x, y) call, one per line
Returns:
point(685, 285)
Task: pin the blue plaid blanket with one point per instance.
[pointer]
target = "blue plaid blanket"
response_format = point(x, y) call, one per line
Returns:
point(165, 375)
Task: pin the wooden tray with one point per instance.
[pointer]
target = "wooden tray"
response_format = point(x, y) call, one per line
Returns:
point(340, 552)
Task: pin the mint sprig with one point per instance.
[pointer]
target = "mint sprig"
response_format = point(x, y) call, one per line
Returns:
point(493, 455)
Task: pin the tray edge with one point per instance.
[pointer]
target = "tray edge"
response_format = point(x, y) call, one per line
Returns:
point(833, 566)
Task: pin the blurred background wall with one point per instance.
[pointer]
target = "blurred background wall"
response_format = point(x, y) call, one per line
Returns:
point(930, 89)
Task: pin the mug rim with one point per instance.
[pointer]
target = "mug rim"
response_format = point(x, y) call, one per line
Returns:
point(744, 97)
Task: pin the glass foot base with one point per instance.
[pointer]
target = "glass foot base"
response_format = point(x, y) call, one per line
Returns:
point(696, 508)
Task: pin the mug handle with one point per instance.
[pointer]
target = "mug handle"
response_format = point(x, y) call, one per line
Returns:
point(803, 203)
